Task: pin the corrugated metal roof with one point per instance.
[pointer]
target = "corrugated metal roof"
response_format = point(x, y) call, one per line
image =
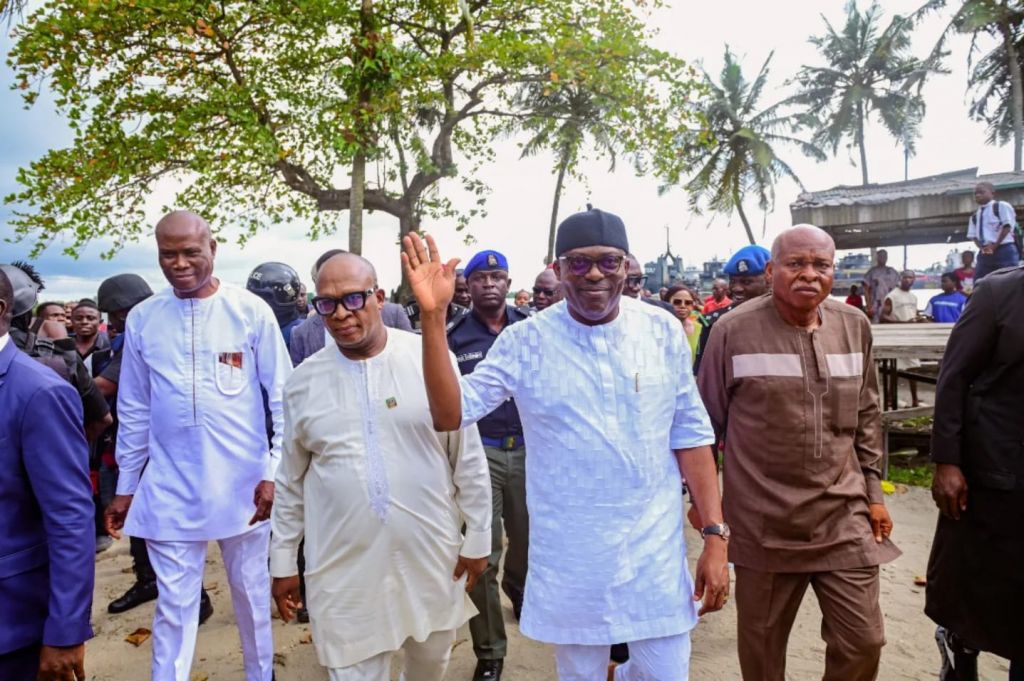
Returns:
point(956, 182)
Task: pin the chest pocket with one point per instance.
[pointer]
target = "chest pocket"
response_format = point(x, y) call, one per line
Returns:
point(232, 369)
point(846, 372)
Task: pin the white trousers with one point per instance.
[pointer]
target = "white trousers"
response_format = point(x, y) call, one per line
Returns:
point(424, 661)
point(179, 573)
point(653, 659)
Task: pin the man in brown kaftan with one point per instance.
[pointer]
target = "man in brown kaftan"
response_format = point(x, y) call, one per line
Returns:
point(789, 383)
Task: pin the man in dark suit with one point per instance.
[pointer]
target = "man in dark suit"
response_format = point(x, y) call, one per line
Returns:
point(47, 537)
point(975, 579)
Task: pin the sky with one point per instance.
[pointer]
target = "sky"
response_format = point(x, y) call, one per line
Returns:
point(519, 206)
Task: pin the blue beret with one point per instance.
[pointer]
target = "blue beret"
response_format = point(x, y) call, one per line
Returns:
point(748, 260)
point(485, 260)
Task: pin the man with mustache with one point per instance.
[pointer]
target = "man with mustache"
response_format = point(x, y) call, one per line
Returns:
point(470, 338)
point(613, 422)
point(790, 386)
point(198, 358)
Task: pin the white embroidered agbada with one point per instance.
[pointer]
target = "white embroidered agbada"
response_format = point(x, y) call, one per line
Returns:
point(191, 412)
point(602, 409)
point(380, 498)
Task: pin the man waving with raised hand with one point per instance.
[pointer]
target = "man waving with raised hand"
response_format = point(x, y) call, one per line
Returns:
point(613, 422)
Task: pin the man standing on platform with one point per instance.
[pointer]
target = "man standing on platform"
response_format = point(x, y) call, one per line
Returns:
point(991, 228)
point(470, 339)
point(613, 421)
point(790, 386)
point(975, 576)
point(191, 411)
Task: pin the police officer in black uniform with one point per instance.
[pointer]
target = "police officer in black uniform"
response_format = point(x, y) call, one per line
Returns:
point(747, 281)
point(470, 337)
point(976, 570)
point(279, 285)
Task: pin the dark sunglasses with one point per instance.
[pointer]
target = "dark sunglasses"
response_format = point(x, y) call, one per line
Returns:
point(580, 265)
point(537, 290)
point(353, 302)
point(637, 280)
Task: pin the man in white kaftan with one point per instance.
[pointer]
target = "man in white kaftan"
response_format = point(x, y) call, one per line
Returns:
point(610, 414)
point(377, 493)
point(193, 447)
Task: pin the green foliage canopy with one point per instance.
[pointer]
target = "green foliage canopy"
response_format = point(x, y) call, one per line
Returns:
point(249, 110)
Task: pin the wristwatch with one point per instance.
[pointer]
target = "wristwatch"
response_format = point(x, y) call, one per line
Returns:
point(721, 529)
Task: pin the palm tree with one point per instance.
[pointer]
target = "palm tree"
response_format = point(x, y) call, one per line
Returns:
point(996, 77)
point(742, 158)
point(561, 119)
point(867, 71)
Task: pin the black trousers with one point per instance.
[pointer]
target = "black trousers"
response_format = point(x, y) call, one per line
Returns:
point(140, 556)
point(21, 664)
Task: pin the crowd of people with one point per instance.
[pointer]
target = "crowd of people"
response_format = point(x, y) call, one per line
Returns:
point(365, 465)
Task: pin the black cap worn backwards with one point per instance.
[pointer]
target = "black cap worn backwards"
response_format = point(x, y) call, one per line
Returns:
point(591, 228)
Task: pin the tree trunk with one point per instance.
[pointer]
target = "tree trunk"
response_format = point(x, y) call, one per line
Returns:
point(860, 143)
point(366, 51)
point(408, 222)
point(355, 205)
point(1017, 94)
point(562, 166)
point(743, 216)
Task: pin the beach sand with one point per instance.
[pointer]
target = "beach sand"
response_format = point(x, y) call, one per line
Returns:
point(910, 653)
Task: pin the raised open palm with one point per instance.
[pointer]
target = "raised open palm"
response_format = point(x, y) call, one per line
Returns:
point(432, 282)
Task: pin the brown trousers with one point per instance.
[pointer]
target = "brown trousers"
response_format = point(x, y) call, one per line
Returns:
point(767, 604)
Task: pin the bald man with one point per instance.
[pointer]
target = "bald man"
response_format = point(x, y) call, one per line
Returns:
point(379, 496)
point(198, 357)
point(790, 386)
point(547, 290)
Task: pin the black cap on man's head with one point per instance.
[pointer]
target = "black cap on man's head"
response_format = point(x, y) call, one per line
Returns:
point(591, 228)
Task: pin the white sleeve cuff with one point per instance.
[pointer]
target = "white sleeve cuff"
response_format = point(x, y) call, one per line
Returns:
point(127, 482)
point(284, 561)
point(476, 544)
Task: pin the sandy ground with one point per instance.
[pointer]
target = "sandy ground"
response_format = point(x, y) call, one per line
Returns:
point(910, 654)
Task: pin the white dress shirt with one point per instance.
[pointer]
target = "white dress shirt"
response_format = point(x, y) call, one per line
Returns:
point(988, 220)
point(380, 498)
point(602, 409)
point(191, 412)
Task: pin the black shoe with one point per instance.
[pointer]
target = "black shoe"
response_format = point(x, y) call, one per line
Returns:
point(302, 616)
point(488, 670)
point(205, 607)
point(141, 592)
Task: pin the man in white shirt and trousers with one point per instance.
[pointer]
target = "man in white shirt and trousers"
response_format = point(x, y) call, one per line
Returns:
point(378, 494)
point(991, 229)
point(613, 422)
point(192, 415)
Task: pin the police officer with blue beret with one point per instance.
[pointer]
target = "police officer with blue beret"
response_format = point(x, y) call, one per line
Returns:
point(747, 280)
point(469, 338)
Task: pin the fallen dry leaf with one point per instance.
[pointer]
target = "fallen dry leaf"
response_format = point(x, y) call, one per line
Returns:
point(138, 637)
point(306, 638)
point(920, 581)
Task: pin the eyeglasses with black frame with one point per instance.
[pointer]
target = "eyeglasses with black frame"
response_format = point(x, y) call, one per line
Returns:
point(580, 265)
point(325, 306)
point(637, 280)
point(537, 290)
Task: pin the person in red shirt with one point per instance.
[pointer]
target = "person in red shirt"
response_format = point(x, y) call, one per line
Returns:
point(855, 298)
point(965, 275)
point(718, 298)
